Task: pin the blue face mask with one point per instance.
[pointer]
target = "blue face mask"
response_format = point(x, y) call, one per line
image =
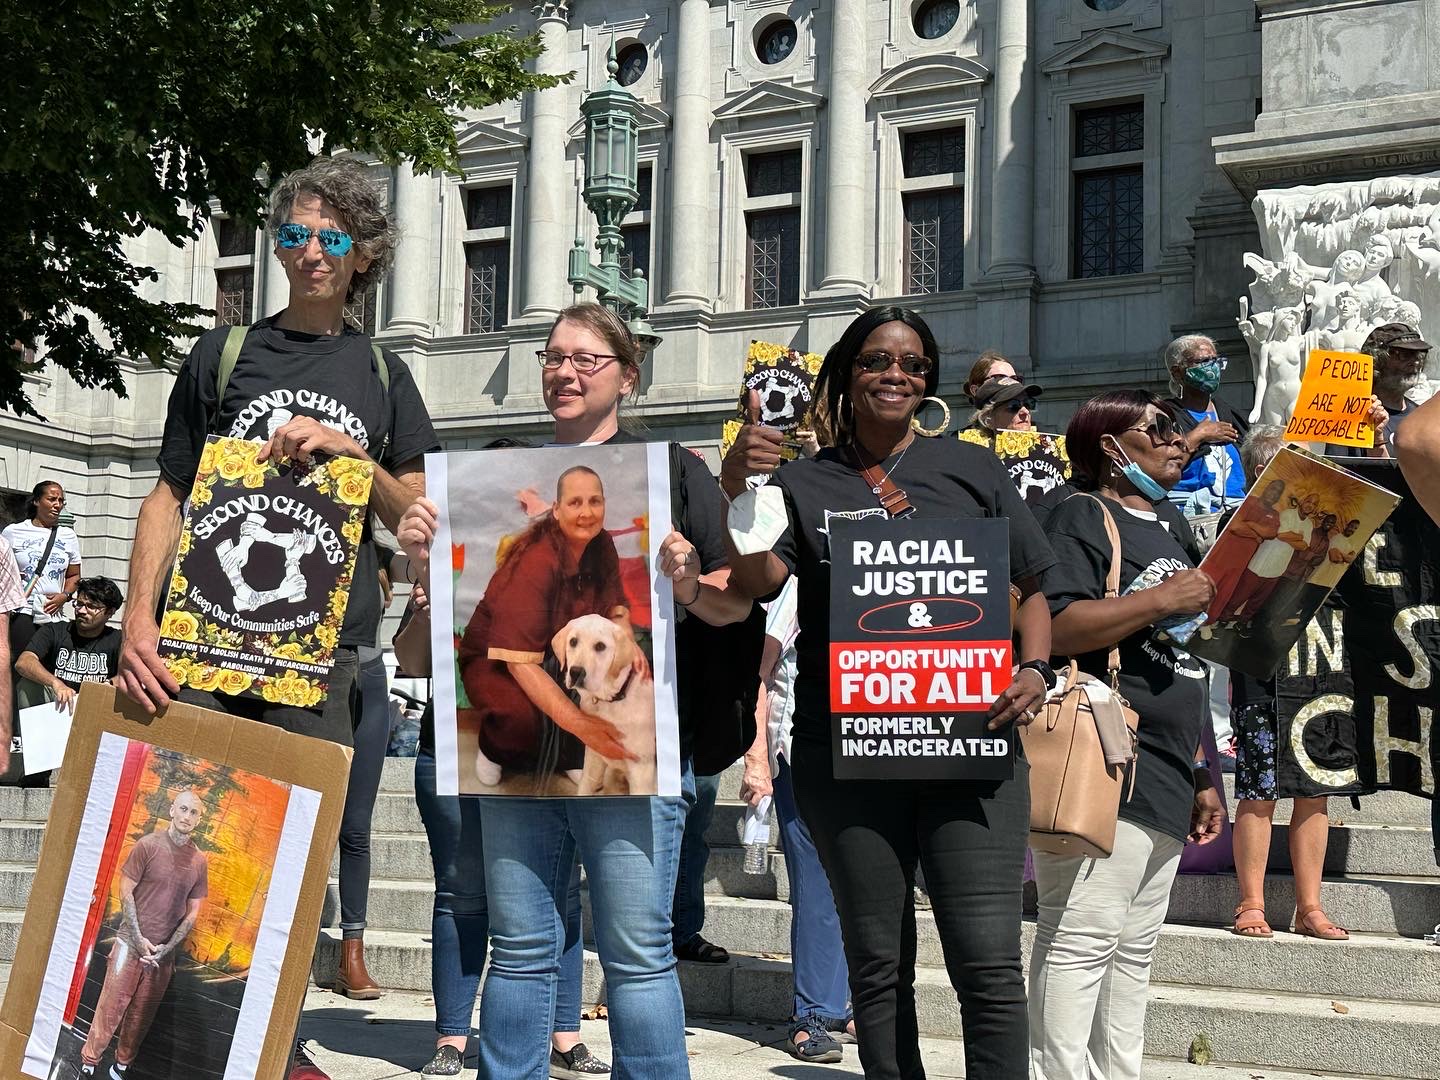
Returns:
point(1143, 481)
point(1206, 375)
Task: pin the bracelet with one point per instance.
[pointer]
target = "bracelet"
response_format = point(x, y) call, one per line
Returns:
point(1203, 763)
point(698, 589)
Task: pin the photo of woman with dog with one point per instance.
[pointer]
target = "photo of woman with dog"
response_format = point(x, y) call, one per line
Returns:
point(629, 847)
point(969, 836)
point(563, 570)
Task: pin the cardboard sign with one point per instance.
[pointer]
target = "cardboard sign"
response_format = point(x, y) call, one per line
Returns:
point(785, 380)
point(1037, 462)
point(1334, 400)
point(919, 648)
point(223, 830)
point(1301, 526)
point(554, 578)
point(262, 576)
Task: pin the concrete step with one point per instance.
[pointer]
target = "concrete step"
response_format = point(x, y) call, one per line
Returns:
point(1392, 1039)
point(15, 882)
point(393, 905)
point(724, 830)
point(1381, 808)
point(1368, 966)
point(399, 856)
point(398, 775)
point(25, 804)
point(396, 812)
point(10, 922)
point(20, 841)
point(1374, 903)
point(1358, 847)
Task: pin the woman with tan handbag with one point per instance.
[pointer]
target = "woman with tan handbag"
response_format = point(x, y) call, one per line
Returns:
point(1099, 918)
point(871, 834)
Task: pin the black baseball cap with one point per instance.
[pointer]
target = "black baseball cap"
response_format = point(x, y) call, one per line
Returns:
point(998, 393)
point(1395, 335)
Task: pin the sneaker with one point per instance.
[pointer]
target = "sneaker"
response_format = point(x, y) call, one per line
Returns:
point(576, 1063)
point(818, 1046)
point(840, 1029)
point(303, 1067)
point(448, 1061)
point(118, 1071)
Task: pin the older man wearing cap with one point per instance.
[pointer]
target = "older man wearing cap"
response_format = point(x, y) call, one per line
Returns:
point(1399, 353)
point(1005, 406)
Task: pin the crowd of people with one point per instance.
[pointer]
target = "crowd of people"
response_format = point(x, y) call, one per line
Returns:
point(1157, 472)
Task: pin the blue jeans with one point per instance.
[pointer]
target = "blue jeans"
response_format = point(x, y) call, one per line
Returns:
point(630, 848)
point(822, 980)
point(689, 909)
point(460, 922)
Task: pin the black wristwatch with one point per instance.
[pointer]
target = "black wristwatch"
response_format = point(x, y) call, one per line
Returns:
point(1045, 672)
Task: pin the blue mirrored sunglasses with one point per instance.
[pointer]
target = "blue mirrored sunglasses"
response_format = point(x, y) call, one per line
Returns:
point(332, 241)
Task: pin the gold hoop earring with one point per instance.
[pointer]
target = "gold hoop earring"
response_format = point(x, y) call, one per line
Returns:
point(944, 421)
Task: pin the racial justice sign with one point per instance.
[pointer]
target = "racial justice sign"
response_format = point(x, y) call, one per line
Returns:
point(1334, 400)
point(919, 648)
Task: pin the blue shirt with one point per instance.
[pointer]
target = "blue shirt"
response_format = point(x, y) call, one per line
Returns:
point(1202, 471)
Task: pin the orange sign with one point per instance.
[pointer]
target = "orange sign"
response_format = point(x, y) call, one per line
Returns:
point(1334, 400)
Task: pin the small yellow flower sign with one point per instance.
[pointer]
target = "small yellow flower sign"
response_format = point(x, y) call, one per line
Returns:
point(785, 380)
point(262, 574)
point(1037, 462)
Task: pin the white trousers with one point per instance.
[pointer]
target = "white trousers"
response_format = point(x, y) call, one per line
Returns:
point(1220, 705)
point(1098, 923)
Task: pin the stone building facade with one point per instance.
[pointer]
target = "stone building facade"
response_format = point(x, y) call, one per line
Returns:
point(1036, 176)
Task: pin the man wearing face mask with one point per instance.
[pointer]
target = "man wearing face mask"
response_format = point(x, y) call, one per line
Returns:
point(1213, 429)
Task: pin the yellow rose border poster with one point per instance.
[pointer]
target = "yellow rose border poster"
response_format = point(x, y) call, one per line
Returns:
point(263, 572)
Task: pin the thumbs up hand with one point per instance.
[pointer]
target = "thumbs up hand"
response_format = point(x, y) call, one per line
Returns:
point(756, 450)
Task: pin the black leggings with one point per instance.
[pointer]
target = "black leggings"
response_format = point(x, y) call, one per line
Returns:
point(969, 838)
point(372, 737)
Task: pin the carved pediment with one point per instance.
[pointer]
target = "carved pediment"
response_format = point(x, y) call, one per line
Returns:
point(1107, 47)
point(479, 137)
point(649, 118)
point(768, 99)
point(931, 73)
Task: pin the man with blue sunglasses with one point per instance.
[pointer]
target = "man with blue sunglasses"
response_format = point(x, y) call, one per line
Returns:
point(304, 383)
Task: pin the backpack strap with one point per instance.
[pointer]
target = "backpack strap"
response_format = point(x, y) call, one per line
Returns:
point(234, 341)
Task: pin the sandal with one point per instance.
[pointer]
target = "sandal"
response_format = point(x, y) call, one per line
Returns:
point(1253, 927)
point(1327, 931)
point(700, 951)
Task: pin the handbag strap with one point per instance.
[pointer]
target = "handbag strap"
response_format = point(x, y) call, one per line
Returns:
point(1112, 582)
point(44, 558)
point(892, 497)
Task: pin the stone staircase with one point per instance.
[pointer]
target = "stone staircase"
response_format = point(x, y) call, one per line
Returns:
point(1261, 1004)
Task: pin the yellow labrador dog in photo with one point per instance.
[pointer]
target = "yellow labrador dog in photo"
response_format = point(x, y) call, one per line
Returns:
point(597, 659)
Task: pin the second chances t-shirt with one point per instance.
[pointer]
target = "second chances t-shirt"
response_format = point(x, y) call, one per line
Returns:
point(282, 374)
point(944, 478)
point(1164, 684)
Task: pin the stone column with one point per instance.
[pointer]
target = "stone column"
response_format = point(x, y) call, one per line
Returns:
point(691, 162)
point(1012, 196)
point(274, 285)
point(546, 192)
point(847, 138)
point(411, 280)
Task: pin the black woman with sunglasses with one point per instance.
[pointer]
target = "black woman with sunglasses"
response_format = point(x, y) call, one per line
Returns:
point(1099, 919)
point(969, 837)
point(303, 383)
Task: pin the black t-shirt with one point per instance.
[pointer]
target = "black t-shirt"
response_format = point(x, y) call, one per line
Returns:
point(74, 659)
point(1164, 684)
point(281, 374)
point(944, 478)
point(703, 527)
point(1044, 505)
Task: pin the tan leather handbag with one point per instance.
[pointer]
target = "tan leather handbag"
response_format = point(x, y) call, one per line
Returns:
point(1079, 747)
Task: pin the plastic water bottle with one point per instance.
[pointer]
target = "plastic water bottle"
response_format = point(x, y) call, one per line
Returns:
point(755, 835)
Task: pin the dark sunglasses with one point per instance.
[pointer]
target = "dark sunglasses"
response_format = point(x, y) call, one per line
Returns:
point(1018, 404)
point(332, 241)
point(873, 363)
point(1161, 430)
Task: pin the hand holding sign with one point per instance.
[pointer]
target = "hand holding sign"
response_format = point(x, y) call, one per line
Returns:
point(1335, 401)
point(756, 451)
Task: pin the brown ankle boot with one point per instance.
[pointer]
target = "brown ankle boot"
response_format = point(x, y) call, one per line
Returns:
point(351, 978)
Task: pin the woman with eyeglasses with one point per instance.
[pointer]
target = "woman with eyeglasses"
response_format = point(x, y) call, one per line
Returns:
point(1214, 477)
point(968, 836)
point(1005, 406)
point(1099, 918)
point(989, 367)
point(630, 847)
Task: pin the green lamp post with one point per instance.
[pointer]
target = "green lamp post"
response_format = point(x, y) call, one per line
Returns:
point(611, 162)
